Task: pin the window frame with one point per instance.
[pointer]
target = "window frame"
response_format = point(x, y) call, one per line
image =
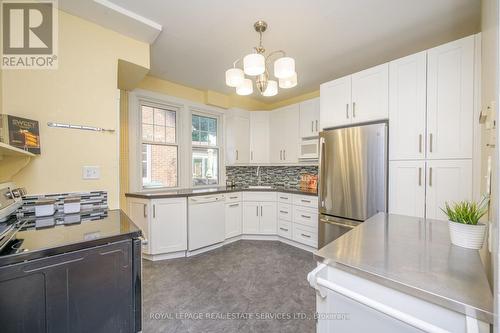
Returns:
point(168, 107)
point(219, 144)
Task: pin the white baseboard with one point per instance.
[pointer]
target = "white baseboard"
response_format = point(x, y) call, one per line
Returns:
point(182, 254)
point(164, 256)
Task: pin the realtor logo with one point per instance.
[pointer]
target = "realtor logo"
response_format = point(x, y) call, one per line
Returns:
point(29, 34)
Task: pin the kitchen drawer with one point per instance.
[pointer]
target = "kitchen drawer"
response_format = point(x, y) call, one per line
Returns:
point(305, 235)
point(305, 200)
point(305, 216)
point(285, 212)
point(285, 229)
point(284, 197)
point(233, 197)
point(259, 196)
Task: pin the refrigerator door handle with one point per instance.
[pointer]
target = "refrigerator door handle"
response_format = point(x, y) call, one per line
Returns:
point(321, 169)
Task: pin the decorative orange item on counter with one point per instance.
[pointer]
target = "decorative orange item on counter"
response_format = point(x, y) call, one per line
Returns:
point(308, 181)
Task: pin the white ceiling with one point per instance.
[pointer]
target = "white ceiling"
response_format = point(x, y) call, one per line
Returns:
point(328, 38)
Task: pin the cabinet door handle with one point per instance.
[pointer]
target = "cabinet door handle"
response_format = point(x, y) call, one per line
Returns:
point(312, 126)
point(281, 155)
point(284, 154)
point(347, 111)
point(234, 205)
point(316, 125)
point(354, 109)
point(284, 229)
point(144, 210)
point(251, 155)
point(260, 210)
point(237, 154)
point(306, 236)
point(419, 176)
point(430, 143)
point(257, 213)
point(430, 176)
point(154, 211)
point(420, 143)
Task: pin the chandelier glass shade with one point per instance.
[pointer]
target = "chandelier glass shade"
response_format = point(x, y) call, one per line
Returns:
point(255, 64)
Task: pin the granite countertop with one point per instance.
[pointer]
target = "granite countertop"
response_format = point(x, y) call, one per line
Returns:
point(414, 256)
point(189, 192)
point(47, 236)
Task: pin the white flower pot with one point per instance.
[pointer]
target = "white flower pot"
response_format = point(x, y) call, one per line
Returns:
point(467, 235)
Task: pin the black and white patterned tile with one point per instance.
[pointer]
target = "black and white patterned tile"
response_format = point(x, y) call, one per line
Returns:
point(287, 176)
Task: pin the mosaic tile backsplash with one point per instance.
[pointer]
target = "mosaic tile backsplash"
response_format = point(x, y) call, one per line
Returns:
point(288, 176)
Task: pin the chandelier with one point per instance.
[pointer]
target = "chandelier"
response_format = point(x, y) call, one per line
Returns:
point(255, 64)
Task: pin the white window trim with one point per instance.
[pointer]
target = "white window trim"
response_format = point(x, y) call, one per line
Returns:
point(219, 146)
point(183, 119)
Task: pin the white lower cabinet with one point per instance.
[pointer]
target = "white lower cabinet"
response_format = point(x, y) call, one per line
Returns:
point(259, 218)
point(285, 229)
point(421, 188)
point(305, 234)
point(163, 222)
point(233, 219)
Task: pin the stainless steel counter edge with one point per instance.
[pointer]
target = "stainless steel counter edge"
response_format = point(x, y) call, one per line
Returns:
point(216, 190)
point(447, 303)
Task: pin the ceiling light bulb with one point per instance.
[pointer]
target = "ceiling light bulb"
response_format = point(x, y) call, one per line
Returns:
point(284, 67)
point(254, 64)
point(272, 89)
point(246, 88)
point(288, 82)
point(234, 77)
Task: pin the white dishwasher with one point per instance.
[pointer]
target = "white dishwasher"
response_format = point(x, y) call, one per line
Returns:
point(206, 224)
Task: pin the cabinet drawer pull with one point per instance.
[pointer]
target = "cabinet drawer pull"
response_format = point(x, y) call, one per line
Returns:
point(284, 229)
point(233, 197)
point(306, 236)
point(306, 201)
point(305, 216)
point(284, 198)
point(284, 212)
point(234, 205)
point(347, 111)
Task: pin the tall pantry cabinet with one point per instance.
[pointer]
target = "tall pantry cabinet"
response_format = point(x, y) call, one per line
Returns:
point(431, 128)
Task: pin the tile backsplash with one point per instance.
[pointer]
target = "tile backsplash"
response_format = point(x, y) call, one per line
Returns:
point(288, 176)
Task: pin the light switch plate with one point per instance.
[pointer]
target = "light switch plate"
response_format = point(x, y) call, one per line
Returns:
point(91, 172)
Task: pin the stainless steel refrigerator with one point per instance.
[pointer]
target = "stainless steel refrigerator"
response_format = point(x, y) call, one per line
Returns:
point(352, 177)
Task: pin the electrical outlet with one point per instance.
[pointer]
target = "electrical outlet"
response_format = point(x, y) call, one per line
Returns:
point(91, 172)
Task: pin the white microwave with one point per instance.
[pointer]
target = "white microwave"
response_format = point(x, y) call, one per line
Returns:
point(309, 149)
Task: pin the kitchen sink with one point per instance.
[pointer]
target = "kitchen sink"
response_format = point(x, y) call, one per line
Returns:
point(262, 187)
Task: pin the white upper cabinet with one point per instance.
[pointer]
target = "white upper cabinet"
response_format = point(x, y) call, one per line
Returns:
point(357, 98)
point(259, 137)
point(284, 138)
point(447, 181)
point(309, 118)
point(335, 102)
point(237, 139)
point(370, 94)
point(450, 99)
point(407, 105)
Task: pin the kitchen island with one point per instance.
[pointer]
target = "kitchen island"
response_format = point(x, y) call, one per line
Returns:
point(401, 274)
point(72, 273)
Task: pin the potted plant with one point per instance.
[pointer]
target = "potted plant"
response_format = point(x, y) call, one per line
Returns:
point(463, 222)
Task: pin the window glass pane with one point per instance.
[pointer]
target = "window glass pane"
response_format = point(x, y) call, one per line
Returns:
point(159, 133)
point(196, 123)
point(195, 137)
point(205, 166)
point(170, 118)
point(203, 123)
point(147, 115)
point(159, 117)
point(212, 139)
point(147, 132)
point(159, 166)
point(203, 138)
point(212, 125)
point(170, 134)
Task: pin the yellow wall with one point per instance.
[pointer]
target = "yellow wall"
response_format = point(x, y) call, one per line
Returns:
point(214, 98)
point(82, 91)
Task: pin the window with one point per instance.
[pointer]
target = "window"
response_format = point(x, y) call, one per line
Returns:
point(159, 150)
point(205, 150)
